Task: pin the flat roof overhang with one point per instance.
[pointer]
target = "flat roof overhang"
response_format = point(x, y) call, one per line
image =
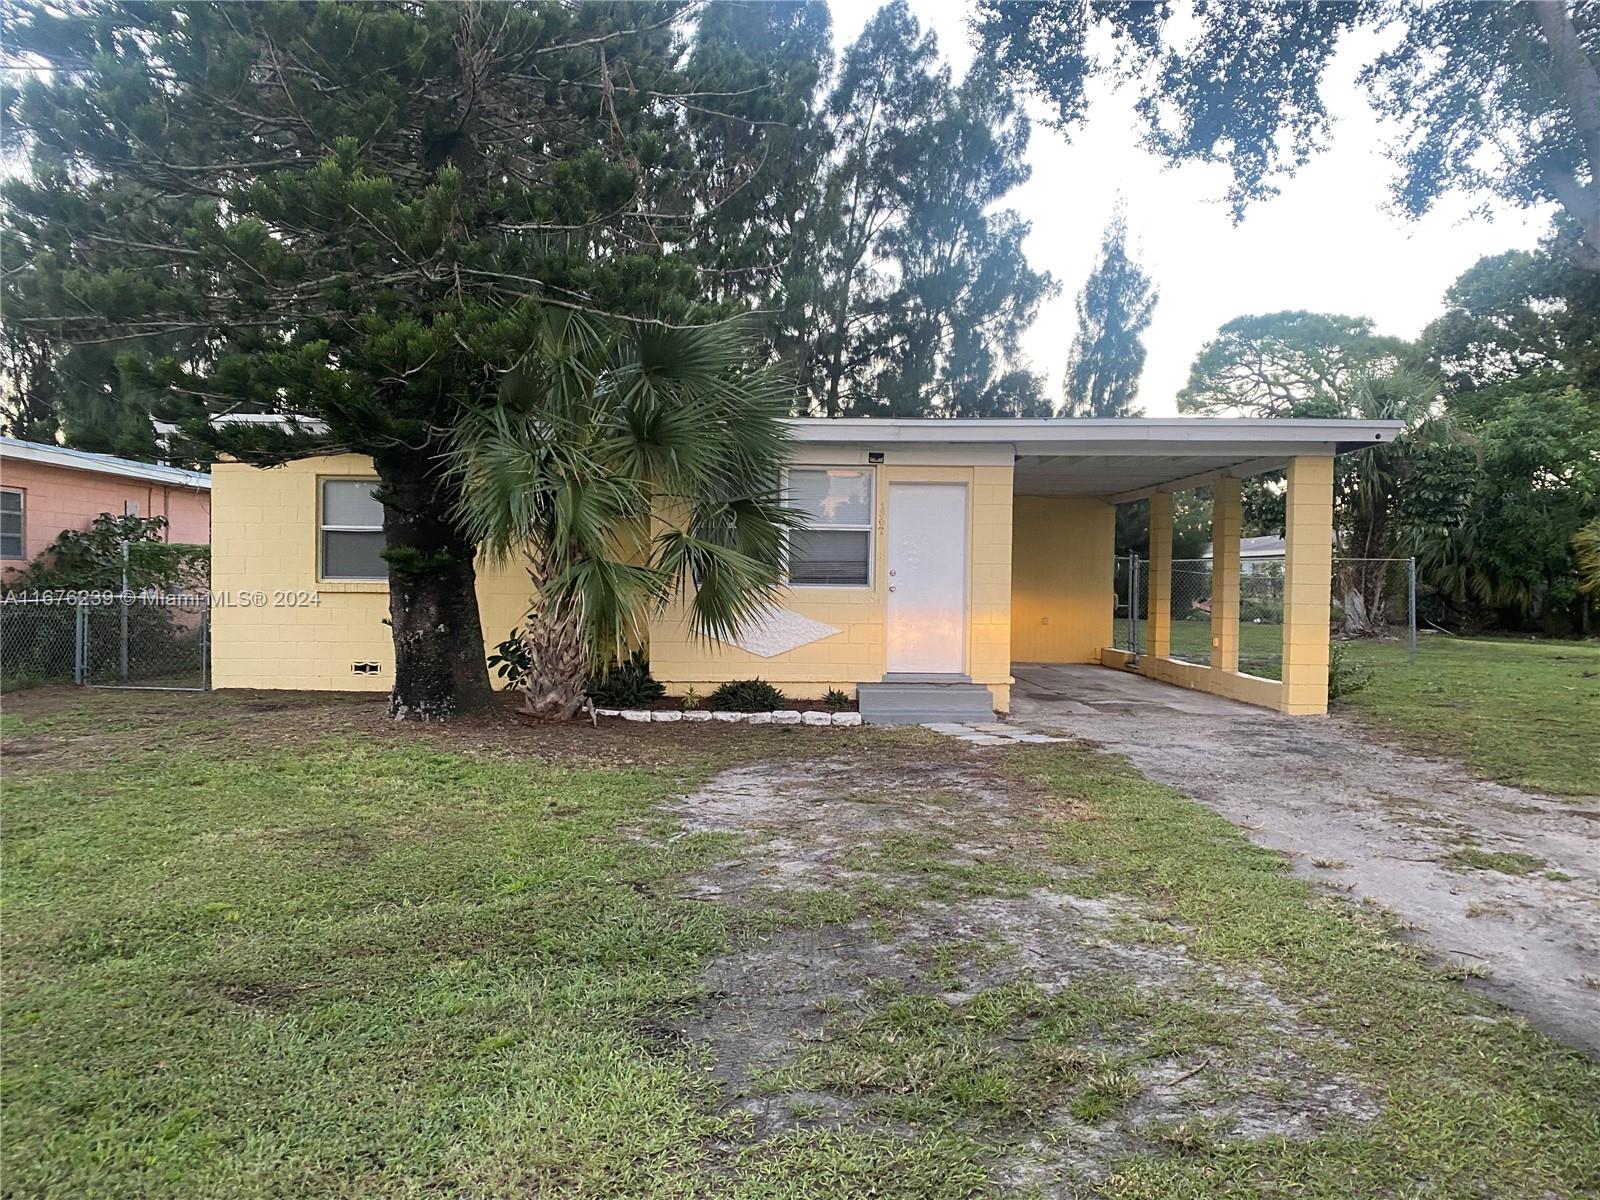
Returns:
point(1117, 459)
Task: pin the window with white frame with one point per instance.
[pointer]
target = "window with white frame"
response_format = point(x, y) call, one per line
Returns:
point(11, 539)
point(352, 530)
point(834, 548)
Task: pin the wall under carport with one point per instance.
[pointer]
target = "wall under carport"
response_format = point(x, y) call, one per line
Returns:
point(1062, 591)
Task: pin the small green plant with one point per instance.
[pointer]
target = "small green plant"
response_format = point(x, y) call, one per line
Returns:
point(1507, 862)
point(748, 695)
point(690, 699)
point(1346, 677)
point(835, 700)
point(626, 684)
point(509, 662)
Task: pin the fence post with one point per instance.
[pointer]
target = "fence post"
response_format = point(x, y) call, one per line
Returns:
point(1411, 602)
point(122, 622)
point(80, 642)
point(205, 648)
point(1133, 603)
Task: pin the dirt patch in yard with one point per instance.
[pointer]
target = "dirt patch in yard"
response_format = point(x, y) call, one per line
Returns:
point(908, 951)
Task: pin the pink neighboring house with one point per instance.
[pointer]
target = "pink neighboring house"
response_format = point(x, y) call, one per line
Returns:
point(45, 489)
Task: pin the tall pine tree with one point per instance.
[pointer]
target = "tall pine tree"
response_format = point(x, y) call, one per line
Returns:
point(1114, 310)
point(351, 216)
point(916, 288)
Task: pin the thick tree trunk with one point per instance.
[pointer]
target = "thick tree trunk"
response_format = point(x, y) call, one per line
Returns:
point(439, 666)
point(557, 668)
point(1579, 81)
point(1361, 583)
point(558, 660)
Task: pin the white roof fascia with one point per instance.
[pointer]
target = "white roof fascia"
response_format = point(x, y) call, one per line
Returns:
point(1131, 435)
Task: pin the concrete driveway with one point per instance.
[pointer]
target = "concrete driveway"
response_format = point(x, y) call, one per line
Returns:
point(1375, 822)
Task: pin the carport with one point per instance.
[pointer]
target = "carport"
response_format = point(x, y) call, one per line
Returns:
point(1068, 480)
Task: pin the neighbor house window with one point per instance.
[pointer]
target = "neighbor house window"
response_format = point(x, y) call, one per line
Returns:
point(352, 530)
point(835, 547)
point(10, 522)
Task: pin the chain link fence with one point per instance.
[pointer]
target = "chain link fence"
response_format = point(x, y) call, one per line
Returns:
point(154, 640)
point(1370, 598)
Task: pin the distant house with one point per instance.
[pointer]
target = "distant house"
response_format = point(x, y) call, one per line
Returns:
point(46, 489)
point(1255, 553)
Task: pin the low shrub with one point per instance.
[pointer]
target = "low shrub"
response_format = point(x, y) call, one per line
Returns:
point(1346, 677)
point(835, 700)
point(748, 695)
point(626, 684)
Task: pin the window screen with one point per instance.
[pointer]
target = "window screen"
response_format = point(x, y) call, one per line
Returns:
point(10, 523)
point(352, 530)
point(836, 549)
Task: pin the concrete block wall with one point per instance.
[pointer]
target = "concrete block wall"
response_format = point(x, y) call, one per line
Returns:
point(1062, 584)
point(274, 623)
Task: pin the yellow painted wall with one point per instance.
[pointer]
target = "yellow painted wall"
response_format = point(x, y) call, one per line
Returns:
point(859, 652)
point(1062, 590)
point(1307, 584)
point(274, 624)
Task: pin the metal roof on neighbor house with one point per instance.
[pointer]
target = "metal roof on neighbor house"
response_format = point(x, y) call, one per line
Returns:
point(103, 464)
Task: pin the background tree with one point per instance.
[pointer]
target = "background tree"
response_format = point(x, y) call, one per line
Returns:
point(1301, 364)
point(1517, 313)
point(1497, 97)
point(918, 291)
point(1287, 364)
point(1493, 519)
point(599, 431)
point(1492, 525)
point(1114, 310)
point(355, 216)
point(755, 90)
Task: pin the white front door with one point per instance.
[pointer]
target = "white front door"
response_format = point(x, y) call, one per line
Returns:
point(927, 578)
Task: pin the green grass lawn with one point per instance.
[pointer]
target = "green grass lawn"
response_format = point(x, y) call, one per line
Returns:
point(247, 959)
point(1520, 712)
point(1260, 646)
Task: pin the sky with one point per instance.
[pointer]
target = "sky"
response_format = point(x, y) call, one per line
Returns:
point(1326, 243)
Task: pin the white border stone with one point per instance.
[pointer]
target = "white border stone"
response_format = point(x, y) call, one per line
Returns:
point(787, 716)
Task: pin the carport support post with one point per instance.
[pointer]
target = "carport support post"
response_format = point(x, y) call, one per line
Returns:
point(1227, 519)
point(1307, 587)
point(1159, 618)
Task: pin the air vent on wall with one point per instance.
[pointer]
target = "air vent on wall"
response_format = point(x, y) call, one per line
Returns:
point(364, 668)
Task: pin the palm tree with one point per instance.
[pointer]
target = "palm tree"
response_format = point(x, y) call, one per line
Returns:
point(1586, 542)
point(627, 464)
point(1400, 393)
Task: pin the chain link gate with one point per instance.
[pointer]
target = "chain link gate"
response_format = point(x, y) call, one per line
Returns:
point(157, 641)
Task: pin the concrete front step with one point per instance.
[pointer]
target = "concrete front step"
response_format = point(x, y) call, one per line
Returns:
point(920, 703)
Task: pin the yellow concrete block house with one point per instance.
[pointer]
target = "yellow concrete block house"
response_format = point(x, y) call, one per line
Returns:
point(939, 554)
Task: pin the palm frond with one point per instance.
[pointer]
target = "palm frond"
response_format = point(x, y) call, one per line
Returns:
point(601, 430)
